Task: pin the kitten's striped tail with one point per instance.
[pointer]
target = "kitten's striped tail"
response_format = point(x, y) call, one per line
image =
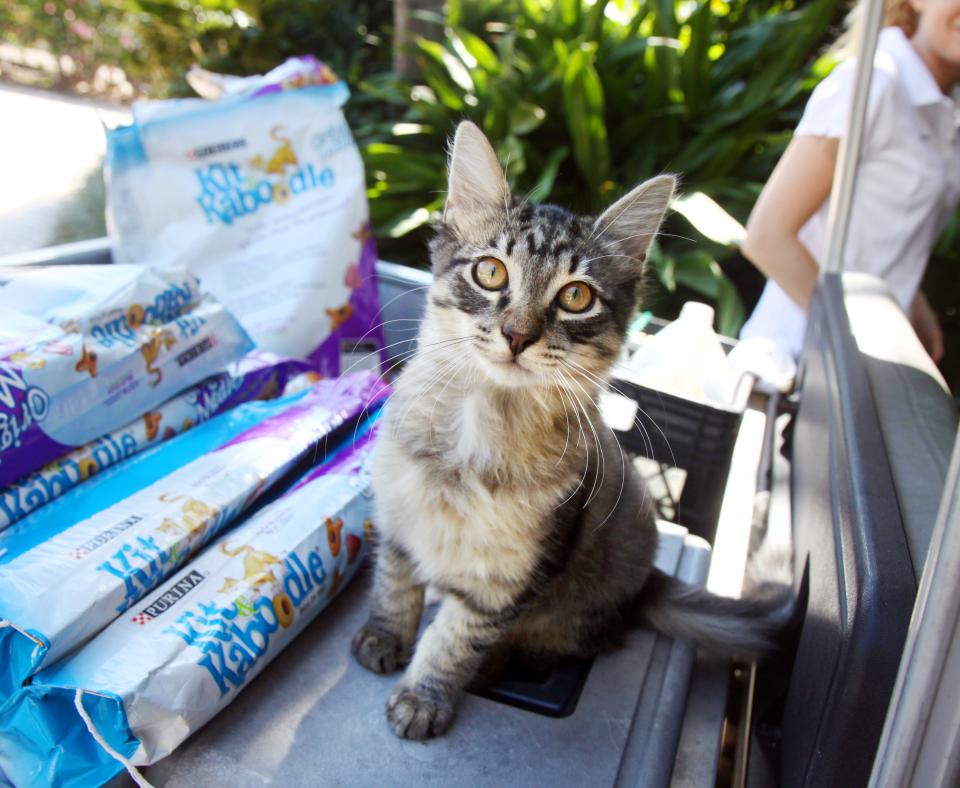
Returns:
point(749, 628)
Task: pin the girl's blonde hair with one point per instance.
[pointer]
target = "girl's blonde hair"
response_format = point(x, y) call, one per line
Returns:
point(897, 13)
point(901, 14)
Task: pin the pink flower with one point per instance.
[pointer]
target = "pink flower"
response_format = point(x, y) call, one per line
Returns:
point(50, 8)
point(83, 30)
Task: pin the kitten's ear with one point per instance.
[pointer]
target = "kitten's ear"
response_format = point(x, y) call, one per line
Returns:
point(635, 218)
point(477, 188)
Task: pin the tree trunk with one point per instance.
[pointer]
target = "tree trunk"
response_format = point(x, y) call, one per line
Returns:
point(408, 27)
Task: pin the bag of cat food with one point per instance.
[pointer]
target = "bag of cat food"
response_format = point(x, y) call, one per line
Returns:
point(86, 349)
point(172, 662)
point(58, 590)
point(261, 193)
point(257, 375)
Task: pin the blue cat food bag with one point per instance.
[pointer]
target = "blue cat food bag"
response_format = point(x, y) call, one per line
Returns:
point(86, 349)
point(61, 587)
point(258, 375)
point(170, 663)
point(261, 193)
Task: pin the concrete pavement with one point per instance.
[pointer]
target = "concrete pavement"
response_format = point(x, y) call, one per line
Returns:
point(49, 146)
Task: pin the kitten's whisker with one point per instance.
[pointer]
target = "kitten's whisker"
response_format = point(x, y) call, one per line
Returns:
point(416, 397)
point(643, 430)
point(602, 470)
point(370, 398)
point(464, 361)
point(644, 433)
point(566, 418)
point(401, 295)
point(586, 464)
point(623, 463)
point(405, 354)
point(443, 366)
point(597, 477)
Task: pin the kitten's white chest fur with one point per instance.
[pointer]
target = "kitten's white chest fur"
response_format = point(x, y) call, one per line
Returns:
point(460, 531)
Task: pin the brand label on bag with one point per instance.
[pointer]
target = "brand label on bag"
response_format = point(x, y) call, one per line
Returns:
point(163, 603)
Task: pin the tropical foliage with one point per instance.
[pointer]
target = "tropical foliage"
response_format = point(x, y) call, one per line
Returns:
point(154, 42)
point(584, 99)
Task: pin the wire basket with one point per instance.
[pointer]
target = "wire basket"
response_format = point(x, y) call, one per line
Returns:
point(684, 449)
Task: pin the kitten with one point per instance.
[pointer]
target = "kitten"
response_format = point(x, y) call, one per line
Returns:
point(496, 480)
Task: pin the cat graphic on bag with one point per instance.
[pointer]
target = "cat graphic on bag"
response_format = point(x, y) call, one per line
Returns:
point(282, 157)
point(497, 482)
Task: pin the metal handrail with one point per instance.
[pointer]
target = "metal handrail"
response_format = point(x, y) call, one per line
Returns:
point(845, 173)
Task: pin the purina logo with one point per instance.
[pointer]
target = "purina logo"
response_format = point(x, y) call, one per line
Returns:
point(219, 147)
point(168, 599)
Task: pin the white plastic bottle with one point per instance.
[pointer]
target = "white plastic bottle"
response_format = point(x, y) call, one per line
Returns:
point(686, 358)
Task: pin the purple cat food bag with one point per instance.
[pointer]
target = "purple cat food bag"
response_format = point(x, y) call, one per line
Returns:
point(257, 375)
point(86, 349)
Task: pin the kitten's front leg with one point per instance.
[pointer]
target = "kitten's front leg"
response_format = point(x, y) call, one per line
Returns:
point(447, 657)
point(385, 643)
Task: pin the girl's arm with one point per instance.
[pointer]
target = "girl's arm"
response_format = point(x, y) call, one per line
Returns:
point(927, 326)
point(798, 186)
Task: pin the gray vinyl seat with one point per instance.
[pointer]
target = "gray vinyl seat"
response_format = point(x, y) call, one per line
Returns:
point(871, 442)
point(917, 415)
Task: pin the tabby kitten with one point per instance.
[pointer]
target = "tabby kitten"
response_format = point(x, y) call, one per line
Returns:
point(496, 480)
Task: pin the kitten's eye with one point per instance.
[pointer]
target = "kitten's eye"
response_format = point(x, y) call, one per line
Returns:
point(490, 274)
point(575, 297)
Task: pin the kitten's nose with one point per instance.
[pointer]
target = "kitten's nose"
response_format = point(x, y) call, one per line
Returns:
point(519, 341)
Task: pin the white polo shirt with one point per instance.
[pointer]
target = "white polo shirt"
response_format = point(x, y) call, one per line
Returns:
point(908, 181)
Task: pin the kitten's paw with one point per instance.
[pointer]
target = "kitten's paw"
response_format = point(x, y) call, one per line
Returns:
point(379, 651)
point(417, 714)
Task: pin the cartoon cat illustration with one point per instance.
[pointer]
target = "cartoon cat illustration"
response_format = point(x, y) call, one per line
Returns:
point(334, 535)
point(339, 315)
point(282, 156)
point(335, 585)
point(196, 516)
point(363, 233)
point(256, 563)
point(88, 362)
point(151, 350)
point(135, 315)
point(87, 467)
point(26, 361)
point(151, 420)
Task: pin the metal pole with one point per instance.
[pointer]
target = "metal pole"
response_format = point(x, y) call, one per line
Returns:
point(845, 174)
point(920, 745)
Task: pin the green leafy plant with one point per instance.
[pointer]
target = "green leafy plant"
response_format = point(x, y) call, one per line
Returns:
point(582, 100)
point(155, 42)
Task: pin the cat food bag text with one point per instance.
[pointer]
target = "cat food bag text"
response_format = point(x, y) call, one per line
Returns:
point(261, 193)
point(86, 349)
point(57, 593)
point(257, 375)
point(170, 663)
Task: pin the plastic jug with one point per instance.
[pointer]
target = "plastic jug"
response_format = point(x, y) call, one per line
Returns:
point(686, 358)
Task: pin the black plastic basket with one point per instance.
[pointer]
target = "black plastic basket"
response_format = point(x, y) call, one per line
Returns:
point(681, 433)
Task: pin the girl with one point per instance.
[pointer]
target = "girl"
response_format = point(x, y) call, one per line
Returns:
point(908, 179)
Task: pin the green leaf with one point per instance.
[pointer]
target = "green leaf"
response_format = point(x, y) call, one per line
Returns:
point(584, 108)
point(548, 174)
point(524, 117)
point(455, 68)
point(710, 219)
point(484, 57)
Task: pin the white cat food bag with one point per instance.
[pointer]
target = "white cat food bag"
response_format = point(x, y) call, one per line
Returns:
point(261, 193)
point(172, 662)
point(58, 592)
point(87, 349)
